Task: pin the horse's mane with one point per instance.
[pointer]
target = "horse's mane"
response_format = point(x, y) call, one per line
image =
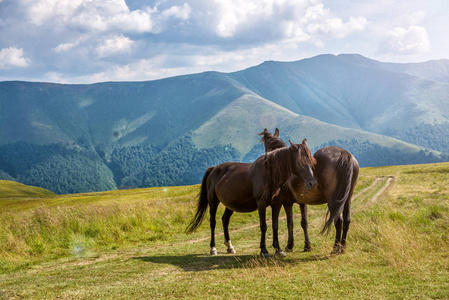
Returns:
point(271, 141)
point(306, 158)
point(277, 167)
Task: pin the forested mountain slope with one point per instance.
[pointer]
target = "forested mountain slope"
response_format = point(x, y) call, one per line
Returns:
point(75, 138)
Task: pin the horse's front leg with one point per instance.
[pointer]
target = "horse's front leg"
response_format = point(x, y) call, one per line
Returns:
point(288, 207)
point(275, 209)
point(304, 225)
point(263, 229)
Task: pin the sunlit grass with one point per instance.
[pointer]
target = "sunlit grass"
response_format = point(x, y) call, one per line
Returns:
point(131, 244)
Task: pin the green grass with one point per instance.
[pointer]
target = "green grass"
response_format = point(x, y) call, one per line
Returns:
point(11, 189)
point(131, 244)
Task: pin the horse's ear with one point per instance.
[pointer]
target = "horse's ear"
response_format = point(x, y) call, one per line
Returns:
point(304, 142)
point(294, 146)
point(276, 133)
point(264, 132)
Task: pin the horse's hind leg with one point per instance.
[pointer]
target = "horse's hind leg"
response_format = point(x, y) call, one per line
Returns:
point(213, 212)
point(346, 222)
point(337, 245)
point(225, 220)
point(304, 225)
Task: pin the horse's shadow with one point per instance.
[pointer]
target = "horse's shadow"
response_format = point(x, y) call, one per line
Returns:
point(198, 262)
point(205, 262)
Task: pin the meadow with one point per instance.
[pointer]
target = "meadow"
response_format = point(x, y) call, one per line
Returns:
point(131, 244)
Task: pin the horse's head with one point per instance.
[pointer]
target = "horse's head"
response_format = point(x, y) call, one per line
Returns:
point(271, 141)
point(303, 163)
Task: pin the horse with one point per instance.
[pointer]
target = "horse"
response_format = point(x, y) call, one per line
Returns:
point(336, 171)
point(246, 187)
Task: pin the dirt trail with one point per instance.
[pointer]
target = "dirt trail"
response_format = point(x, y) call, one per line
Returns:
point(367, 188)
point(380, 192)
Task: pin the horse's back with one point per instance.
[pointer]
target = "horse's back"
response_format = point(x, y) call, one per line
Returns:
point(232, 184)
point(230, 171)
point(329, 157)
point(332, 163)
point(332, 154)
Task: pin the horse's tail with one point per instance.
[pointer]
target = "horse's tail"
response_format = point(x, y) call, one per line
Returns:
point(344, 189)
point(202, 204)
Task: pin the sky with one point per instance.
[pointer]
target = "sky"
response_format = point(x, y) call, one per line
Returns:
point(88, 41)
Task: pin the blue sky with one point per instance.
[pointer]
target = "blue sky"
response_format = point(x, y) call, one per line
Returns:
point(87, 41)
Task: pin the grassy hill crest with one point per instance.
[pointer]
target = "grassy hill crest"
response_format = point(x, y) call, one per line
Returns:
point(12, 189)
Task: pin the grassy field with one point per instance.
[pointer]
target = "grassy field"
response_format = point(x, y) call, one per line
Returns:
point(131, 244)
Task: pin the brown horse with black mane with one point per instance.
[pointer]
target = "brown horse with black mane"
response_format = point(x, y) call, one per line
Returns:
point(336, 171)
point(245, 187)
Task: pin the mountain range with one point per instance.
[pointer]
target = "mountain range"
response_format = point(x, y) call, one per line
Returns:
point(121, 132)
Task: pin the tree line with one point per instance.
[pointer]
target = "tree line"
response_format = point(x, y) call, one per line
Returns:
point(76, 169)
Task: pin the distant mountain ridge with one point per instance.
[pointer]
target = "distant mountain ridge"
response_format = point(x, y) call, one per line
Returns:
point(355, 92)
point(123, 127)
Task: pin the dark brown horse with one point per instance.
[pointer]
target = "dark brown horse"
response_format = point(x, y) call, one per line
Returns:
point(245, 187)
point(336, 171)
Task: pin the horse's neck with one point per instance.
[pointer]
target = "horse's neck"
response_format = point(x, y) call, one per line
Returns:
point(274, 144)
point(278, 164)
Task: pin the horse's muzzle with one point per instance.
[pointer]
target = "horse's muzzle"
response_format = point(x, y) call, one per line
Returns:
point(311, 184)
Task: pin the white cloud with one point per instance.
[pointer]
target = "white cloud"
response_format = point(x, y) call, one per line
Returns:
point(143, 69)
point(64, 47)
point(321, 24)
point(405, 41)
point(334, 27)
point(114, 45)
point(299, 20)
point(89, 15)
point(101, 16)
point(178, 12)
point(55, 77)
point(40, 11)
point(234, 13)
point(12, 57)
point(416, 17)
point(82, 40)
point(136, 21)
point(173, 63)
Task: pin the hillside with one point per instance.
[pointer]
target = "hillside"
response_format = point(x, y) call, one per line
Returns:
point(11, 189)
point(353, 91)
point(79, 138)
point(155, 112)
point(240, 122)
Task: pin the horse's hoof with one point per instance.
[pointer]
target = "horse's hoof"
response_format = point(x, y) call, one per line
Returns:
point(338, 249)
point(287, 249)
point(213, 251)
point(230, 247)
point(280, 253)
point(264, 255)
point(307, 249)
